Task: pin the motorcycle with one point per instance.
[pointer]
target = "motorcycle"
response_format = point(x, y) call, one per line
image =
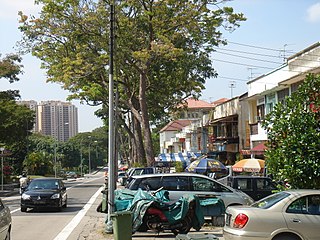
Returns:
point(153, 211)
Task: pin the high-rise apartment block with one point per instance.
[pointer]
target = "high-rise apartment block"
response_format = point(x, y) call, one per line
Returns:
point(55, 118)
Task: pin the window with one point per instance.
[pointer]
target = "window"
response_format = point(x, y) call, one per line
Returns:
point(244, 184)
point(205, 185)
point(175, 183)
point(148, 184)
point(298, 206)
point(265, 184)
point(314, 205)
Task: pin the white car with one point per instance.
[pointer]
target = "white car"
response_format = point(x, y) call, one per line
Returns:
point(287, 215)
point(178, 184)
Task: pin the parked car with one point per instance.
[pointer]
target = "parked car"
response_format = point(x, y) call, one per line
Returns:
point(44, 193)
point(178, 184)
point(286, 215)
point(121, 177)
point(139, 171)
point(5, 222)
point(255, 186)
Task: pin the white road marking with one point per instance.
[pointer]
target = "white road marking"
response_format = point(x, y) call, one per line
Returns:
point(64, 234)
point(18, 197)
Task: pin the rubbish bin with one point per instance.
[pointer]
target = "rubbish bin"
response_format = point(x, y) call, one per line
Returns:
point(122, 225)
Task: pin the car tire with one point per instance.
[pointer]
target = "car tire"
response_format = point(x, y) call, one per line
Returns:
point(23, 209)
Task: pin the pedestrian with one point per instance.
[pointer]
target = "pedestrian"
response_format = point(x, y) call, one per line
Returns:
point(24, 181)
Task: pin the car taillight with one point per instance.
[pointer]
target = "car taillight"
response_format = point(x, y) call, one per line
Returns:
point(240, 221)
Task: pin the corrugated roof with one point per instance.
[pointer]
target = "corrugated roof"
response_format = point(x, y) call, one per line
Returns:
point(192, 103)
point(176, 125)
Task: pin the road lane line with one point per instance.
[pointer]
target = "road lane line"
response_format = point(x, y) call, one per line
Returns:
point(64, 234)
point(18, 197)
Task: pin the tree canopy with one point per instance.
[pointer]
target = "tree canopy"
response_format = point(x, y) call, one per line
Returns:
point(162, 53)
point(294, 136)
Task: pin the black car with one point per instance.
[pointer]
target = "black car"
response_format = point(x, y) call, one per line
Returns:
point(44, 193)
point(256, 187)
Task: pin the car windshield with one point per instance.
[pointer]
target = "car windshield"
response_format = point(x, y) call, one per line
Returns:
point(271, 200)
point(43, 184)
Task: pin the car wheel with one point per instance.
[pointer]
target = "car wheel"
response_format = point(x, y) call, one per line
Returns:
point(23, 209)
point(286, 237)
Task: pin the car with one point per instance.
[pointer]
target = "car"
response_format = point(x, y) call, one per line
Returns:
point(139, 171)
point(286, 215)
point(122, 177)
point(5, 222)
point(178, 184)
point(44, 193)
point(71, 175)
point(256, 187)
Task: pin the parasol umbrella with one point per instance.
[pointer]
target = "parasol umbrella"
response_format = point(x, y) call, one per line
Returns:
point(206, 165)
point(249, 165)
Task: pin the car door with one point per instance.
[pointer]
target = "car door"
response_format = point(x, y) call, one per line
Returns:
point(262, 187)
point(207, 188)
point(4, 220)
point(176, 186)
point(302, 218)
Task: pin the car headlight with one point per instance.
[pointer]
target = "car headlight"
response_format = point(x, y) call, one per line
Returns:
point(55, 196)
point(25, 196)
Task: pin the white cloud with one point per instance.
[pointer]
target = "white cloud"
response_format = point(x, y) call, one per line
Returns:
point(313, 13)
point(10, 8)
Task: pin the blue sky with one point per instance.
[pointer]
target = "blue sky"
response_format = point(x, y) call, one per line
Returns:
point(274, 29)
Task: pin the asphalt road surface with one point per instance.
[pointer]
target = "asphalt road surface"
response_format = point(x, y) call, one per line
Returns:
point(80, 220)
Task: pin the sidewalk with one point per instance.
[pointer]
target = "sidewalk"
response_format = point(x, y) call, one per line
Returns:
point(94, 228)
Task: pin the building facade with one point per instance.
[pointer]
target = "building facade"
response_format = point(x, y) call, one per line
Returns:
point(55, 118)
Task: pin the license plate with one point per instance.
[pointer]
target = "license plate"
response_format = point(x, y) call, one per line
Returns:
point(39, 202)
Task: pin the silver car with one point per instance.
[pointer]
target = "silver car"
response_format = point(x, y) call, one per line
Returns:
point(5, 222)
point(287, 215)
point(178, 184)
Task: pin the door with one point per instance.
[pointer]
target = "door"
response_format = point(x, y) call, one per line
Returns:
point(303, 216)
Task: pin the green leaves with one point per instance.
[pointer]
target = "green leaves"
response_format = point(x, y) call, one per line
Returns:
point(294, 136)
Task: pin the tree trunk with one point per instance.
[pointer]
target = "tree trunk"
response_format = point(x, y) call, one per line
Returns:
point(145, 120)
point(138, 140)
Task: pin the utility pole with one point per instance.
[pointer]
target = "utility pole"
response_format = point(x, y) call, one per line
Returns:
point(111, 160)
point(232, 85)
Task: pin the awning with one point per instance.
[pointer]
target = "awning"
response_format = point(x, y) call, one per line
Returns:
point(176, 157)
point(259, 149)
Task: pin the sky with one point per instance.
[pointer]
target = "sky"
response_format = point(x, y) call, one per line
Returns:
point(273, 31)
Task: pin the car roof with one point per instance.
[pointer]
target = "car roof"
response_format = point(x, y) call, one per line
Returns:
point(302, 191)
point(45, 178)
point(242, 176)
point(171, 174)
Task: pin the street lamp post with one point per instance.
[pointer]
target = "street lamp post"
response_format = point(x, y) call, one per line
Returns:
point(2, 149)
point(89, 159)
point(55, 160)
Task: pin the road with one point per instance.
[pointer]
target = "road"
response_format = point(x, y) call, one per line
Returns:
point(79, 220)
point(47, 224)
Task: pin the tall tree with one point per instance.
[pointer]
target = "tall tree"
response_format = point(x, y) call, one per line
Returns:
point(16, 121)
point(162, 54)
point(294, 136)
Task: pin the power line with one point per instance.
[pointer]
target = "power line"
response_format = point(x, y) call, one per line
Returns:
point(264, 48)
point(250, 53)
point(255, 59)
